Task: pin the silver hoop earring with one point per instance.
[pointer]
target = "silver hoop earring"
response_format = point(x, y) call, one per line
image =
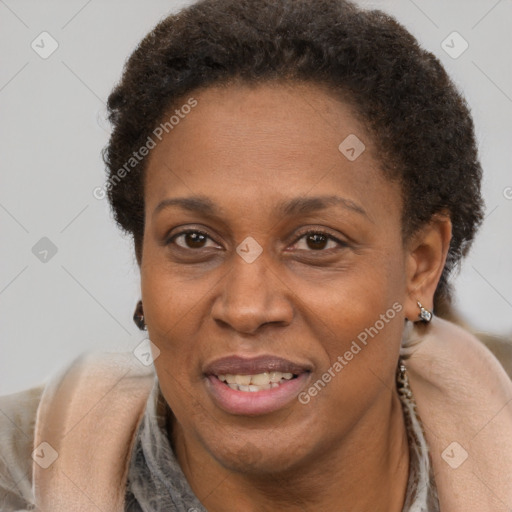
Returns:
point(424, 314)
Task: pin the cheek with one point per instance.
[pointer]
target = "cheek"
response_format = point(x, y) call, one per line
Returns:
point(358, 320)
point(170, 295)
point(360, 336)
point(346, 304)
point(171, 306)
point(365, 332)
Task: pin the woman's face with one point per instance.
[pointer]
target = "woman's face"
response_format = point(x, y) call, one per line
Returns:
point(248, 172)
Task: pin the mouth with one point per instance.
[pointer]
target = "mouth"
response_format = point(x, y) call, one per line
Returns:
point(253, 386)
point(256, 383)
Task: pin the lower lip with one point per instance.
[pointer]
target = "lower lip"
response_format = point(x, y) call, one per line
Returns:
point(255, 402)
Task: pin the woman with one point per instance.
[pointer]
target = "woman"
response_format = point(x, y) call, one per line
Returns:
point(300, 178)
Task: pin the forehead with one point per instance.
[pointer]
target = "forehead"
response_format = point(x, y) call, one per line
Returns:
point(244, 142)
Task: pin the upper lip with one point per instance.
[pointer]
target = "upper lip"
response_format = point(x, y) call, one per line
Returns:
point(238, 365)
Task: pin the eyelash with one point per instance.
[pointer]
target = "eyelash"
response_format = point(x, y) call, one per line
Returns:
point(341, 243)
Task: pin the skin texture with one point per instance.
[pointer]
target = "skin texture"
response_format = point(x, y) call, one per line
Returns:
point(248, 149)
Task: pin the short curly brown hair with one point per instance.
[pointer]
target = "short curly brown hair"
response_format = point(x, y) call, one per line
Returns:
point(420, 123)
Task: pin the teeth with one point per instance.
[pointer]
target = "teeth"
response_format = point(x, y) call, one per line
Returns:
point(253, 383)
point(262, 379)
point(277, 376)
point(243, 380)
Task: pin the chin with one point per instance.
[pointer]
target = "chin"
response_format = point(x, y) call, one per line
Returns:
point(261, 454)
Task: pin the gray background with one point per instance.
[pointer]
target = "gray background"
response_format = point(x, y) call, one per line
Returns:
point(52, 129)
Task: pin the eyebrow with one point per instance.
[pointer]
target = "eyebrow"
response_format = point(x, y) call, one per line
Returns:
point(296, 206)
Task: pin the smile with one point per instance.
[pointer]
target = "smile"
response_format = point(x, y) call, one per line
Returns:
point(255, 383)
point(255, 386)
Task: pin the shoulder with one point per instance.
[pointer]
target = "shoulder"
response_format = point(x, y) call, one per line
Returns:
point(501, 348)
point(78, 385)
point(17, 422)
point(444, 352)
point(464, 398)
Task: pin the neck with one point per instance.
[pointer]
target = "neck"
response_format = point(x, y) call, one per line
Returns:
point(367, 471)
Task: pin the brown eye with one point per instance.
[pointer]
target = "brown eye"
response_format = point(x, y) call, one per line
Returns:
point(190, 239)
point(316, 241)
point(319, 241)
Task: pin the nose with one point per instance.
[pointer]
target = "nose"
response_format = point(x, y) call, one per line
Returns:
point(252, 295)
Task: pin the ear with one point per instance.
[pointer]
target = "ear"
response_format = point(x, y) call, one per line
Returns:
point(426, 254)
